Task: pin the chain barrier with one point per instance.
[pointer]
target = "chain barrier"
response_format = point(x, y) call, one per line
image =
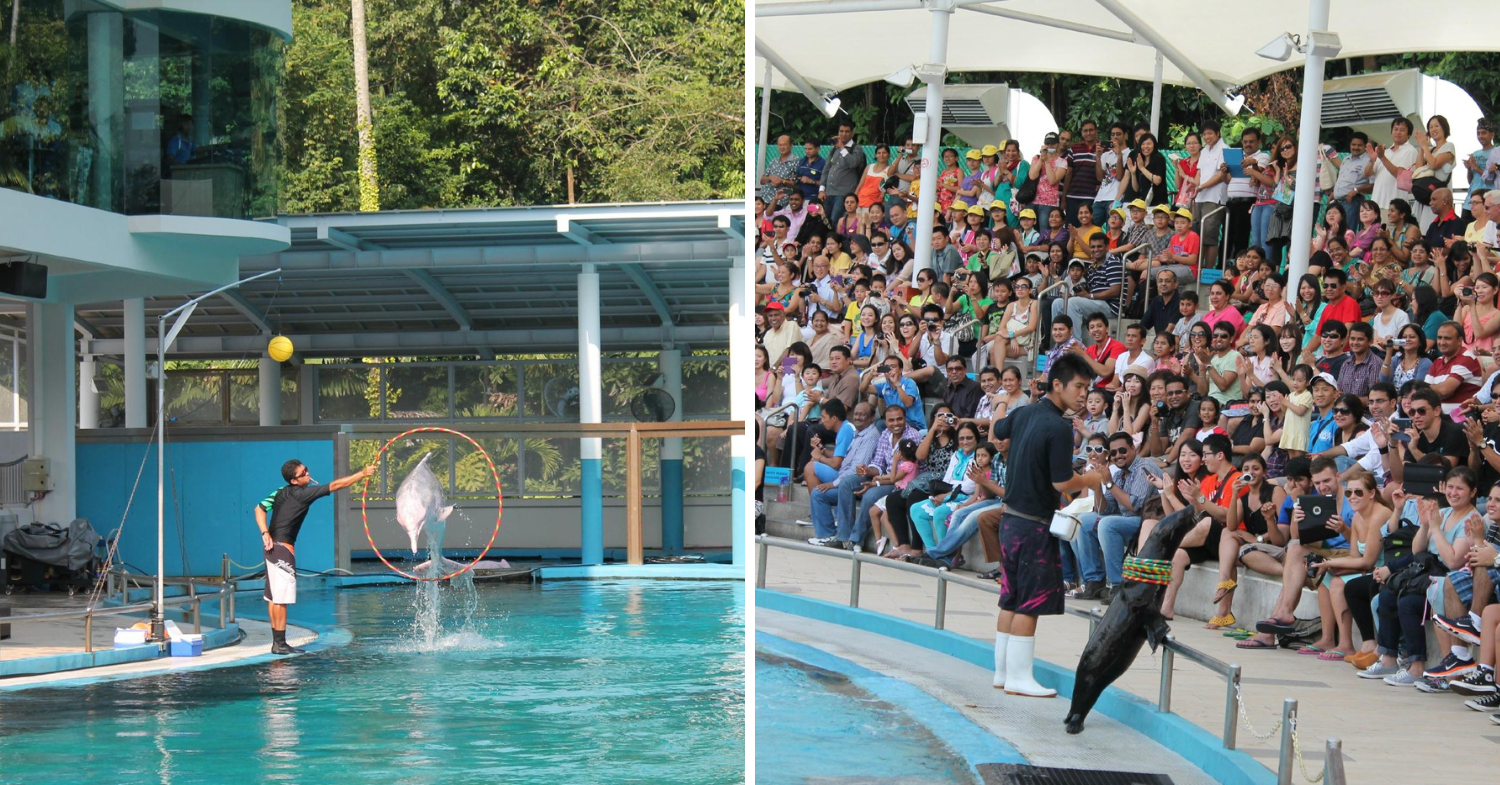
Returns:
point(1245, 718)
point(1297, 753)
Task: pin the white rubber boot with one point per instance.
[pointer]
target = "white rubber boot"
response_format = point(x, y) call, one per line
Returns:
point(1018, 678)
point(1002, 641)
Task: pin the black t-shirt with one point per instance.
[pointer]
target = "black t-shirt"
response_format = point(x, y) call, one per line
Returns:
point(1332, 365)
point(1450, 442)
point(1175, 420)
point(1047, 439)
point(1487, 474)
point(289, 508)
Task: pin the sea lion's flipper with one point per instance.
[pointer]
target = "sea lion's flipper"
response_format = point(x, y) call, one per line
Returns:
point(1157, 631)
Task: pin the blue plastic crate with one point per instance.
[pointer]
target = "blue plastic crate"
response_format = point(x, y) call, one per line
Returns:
point(777, 475)
point(1208, 276)
point(187, 648)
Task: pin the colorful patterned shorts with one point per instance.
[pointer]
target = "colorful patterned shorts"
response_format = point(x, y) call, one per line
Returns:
point(1031, 581)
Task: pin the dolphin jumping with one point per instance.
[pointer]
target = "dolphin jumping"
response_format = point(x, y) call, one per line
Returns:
point(1133, 619)
point(419, 505)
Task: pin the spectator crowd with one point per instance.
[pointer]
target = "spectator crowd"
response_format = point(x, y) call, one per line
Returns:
point(1340, 432)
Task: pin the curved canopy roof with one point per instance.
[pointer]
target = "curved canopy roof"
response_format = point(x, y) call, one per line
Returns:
point(1116, 38)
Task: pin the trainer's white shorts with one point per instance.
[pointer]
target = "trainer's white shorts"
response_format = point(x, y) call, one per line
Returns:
point(281, 575)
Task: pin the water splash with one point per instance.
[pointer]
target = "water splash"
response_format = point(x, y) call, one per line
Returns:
point(432, 630)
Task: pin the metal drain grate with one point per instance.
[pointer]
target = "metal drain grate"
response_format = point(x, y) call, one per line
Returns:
point(1022, 774)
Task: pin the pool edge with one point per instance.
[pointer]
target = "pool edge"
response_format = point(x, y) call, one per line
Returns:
point(1196, 745)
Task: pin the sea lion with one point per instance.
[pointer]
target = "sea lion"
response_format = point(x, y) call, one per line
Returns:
point(1134, 618)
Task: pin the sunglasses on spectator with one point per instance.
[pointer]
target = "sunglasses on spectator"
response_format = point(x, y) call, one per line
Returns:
point(1286, 147)
point(877, 243)
point(1120, 451)
point(1329, 335)
point(1355, 493)
point(1342, 410)
point(1095, 449)
point(1176, 392)
point(1420, 412)
point(1331, 285)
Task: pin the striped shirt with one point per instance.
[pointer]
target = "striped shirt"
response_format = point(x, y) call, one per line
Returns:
point(1101, 277)
point(885, 447)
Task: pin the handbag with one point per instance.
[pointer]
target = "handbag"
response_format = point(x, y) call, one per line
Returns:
point(1403, 180)
point(1026, 194)
point(1397, 544)
point(1422, 188)
point(1065, 522)
point(930, 483)
point(963, 327)
point(1413, 578)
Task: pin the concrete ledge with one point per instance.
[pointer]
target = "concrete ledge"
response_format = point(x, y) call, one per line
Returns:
point(1197, 745)
point(671, 572)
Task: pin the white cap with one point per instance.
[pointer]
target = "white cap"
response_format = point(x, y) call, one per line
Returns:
point(1326, 377)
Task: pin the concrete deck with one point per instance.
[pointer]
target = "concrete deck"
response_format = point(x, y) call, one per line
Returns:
point(1388, 733)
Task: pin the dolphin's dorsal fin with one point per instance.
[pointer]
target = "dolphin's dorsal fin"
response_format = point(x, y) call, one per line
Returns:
point(423, 462)
point(445, 512)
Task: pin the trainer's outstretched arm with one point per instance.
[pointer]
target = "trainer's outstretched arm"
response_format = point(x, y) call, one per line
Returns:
point(344, 482)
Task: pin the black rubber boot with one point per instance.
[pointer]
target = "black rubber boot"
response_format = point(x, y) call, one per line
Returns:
point(279, 645)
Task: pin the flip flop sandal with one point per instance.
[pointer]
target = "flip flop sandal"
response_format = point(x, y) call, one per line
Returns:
point(1332, 655)
point(1274, 627)
point(1238, 634)
point(1311, 650)
point(1220, 622)
point(1254, 644)
point(1224, 587)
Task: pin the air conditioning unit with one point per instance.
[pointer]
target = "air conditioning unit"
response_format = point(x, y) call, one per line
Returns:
point(982, 114)
point(1369, 102)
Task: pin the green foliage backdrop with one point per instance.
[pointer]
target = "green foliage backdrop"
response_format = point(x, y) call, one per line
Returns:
point(490, 102)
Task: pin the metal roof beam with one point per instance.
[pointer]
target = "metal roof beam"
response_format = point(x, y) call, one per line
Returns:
point(342, 239)
point(85, 326)
point(436, 220)
point(653, 294)
point(578, 233)
point(727, 226)
point(435, 342)
point(444, 298)
point(665, 253)
point(245, 309)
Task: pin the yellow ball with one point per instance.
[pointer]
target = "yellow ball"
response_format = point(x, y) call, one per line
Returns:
point(280, 348)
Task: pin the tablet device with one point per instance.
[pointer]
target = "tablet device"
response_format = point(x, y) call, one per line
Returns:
point(1420, 479)
point(1316, 510)
point(1234, 157)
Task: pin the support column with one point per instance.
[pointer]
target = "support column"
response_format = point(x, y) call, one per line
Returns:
point(1156, 100)
point(270, 391)
point(932, 150)
point(307, 394)
point(1305, 201)
point(670, 364)
point(590, 410)
point(741, 406)
point(106, 42)
point(765, 127)
point(135, 363)
point(88, 395)
point(53, 414)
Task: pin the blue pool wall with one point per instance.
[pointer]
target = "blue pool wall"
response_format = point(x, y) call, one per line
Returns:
point(214, 485)
point(1198, 746)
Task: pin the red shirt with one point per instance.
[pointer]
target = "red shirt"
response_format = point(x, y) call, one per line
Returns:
point(1346, 310)
point(1186, 245)
point(1105, 354)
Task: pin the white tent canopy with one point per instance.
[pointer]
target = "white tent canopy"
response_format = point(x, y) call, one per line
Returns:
point(819, 47)
point(834, 50)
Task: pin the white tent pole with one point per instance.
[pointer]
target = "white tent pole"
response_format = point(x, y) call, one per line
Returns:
point(932, 159)
point(827, 106)
point(765, 125)
point(1305, 201)
point(1172, 53)
point(1156, 101)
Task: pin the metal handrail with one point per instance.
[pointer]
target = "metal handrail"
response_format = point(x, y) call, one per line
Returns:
point(1171, 646)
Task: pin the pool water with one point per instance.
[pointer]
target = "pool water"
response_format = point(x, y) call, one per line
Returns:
point(816, 725)
point(637, 681)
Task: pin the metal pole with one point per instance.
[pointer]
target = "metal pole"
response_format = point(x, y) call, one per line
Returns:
point(1333, 763)
point(197, 606)
point(88, 634)
point(1164, 695)
point(1156, 102)
point(1288, 722)
point(223, 586)
point(937, 54)
point(854, 581)
point(1305, 202)
point(760, 561)
point(765, 127)
point(234, 587)
point(941, 611)
point(1231, 706)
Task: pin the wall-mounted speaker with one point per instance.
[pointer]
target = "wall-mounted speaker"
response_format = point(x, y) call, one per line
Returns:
point(24, 279)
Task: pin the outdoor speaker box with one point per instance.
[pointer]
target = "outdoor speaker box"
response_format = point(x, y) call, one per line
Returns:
point(24, 279)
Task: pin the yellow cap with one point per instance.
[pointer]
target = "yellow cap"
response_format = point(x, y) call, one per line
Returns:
point(972, 155)
point(1183, 212)
point(1139, 204)
point(1161, 208)
point(997, 205)
point(1120, 211)
point(1029, 213)
point(990, 149)
point(975, 210)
